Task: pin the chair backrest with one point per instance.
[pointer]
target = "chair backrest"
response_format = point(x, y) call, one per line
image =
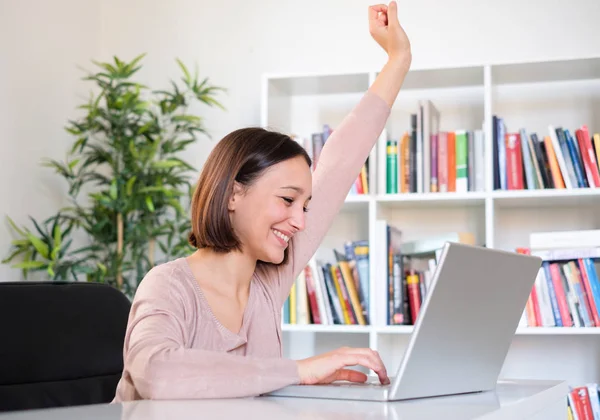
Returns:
point(61, 343)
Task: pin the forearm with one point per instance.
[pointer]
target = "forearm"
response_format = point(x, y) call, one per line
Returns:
point(389, 81)
point(173, 372)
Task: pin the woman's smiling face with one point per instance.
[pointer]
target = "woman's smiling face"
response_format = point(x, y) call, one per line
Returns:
point(267, 214)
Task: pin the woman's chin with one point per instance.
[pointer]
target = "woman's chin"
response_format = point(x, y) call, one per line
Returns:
point(273, 256)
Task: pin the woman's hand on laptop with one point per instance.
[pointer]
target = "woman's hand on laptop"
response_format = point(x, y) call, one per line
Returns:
point(331, 366)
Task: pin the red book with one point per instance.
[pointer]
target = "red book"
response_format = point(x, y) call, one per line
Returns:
point(581, 399)
point(585, 301)
point(588, 156)
point(358, 185)
point(561, 297)
point(514, 161)
point(588, 291)
point(532, 318)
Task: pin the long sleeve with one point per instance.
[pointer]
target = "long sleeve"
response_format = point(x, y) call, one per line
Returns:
point(159, 363)
point(340, 162)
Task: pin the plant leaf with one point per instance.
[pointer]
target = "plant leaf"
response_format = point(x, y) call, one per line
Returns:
point(39, 245)
point(29, 265)
point(149, 203)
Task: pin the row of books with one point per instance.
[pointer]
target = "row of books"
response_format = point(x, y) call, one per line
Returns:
point(314, 145)
point(328, 293)
point(427, 159)
point(335, 292)
point(558, 159)
point(566, 292)
point(409, 269)
point(583, 402)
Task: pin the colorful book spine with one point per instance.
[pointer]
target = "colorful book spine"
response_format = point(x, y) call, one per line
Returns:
point(392, 167)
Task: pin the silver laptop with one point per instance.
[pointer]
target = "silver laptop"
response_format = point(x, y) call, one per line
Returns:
point(463, 332)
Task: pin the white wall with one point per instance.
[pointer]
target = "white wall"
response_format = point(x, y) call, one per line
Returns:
point(41, 45)
point(233, 43)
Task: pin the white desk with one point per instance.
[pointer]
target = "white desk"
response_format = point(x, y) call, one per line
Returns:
point(534, 400)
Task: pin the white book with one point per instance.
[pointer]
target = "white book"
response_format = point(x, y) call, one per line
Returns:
point(302, 315)
point(379, 308)
point(564, 239)
point(595, 403)
point(544, 300)
point(320, 292)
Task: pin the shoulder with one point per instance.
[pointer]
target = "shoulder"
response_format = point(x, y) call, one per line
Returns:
point(167, 284)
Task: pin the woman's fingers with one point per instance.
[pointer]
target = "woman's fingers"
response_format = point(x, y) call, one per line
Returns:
point(350, 375)
point(367, 358)
point(376, 8)
point(328, 367)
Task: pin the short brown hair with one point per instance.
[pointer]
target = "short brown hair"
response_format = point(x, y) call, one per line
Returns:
point(242, 156)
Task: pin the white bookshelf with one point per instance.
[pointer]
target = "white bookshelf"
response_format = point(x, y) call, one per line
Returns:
point(531, 95)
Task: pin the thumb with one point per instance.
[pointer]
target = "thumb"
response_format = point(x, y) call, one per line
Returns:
point(392, 14)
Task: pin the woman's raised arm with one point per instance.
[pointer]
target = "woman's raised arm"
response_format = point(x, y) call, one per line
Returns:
point(348, 147)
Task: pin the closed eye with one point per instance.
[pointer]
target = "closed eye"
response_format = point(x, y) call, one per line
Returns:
point(290, 201)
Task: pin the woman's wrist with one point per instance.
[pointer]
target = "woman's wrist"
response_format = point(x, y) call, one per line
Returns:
point(400, 61)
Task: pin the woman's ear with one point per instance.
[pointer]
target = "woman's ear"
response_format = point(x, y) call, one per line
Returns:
point(236, 194)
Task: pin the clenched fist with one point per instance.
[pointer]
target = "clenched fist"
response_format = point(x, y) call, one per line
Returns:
point(387, 32)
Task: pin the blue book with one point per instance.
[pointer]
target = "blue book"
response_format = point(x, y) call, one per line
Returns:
point(576, 159)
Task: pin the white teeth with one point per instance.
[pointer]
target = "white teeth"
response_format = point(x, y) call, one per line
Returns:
point(281, 235)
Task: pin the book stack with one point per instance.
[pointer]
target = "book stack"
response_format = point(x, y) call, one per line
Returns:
point(566, 292)
point(407, 268)
point(314, 146)
point(583, 402)
point(427, 159)
point(559, 158)
point(329, 293)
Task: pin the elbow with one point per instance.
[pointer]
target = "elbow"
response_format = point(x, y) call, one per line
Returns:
point(148, 377)
point(148, 388)
point(147, 383)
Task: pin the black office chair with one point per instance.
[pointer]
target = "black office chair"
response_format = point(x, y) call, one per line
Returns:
point(61, 343)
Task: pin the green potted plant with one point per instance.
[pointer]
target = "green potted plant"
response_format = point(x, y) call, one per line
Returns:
point(129, 188)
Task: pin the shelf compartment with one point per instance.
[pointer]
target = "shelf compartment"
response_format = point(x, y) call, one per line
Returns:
point(546, 71)
point(512, 226)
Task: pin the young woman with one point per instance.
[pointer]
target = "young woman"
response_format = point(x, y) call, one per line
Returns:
point(209, 325)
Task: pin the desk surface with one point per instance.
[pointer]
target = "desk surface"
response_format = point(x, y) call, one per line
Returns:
point(511, 400)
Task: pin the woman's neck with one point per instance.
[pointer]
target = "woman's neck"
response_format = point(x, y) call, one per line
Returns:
point(229, 273)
